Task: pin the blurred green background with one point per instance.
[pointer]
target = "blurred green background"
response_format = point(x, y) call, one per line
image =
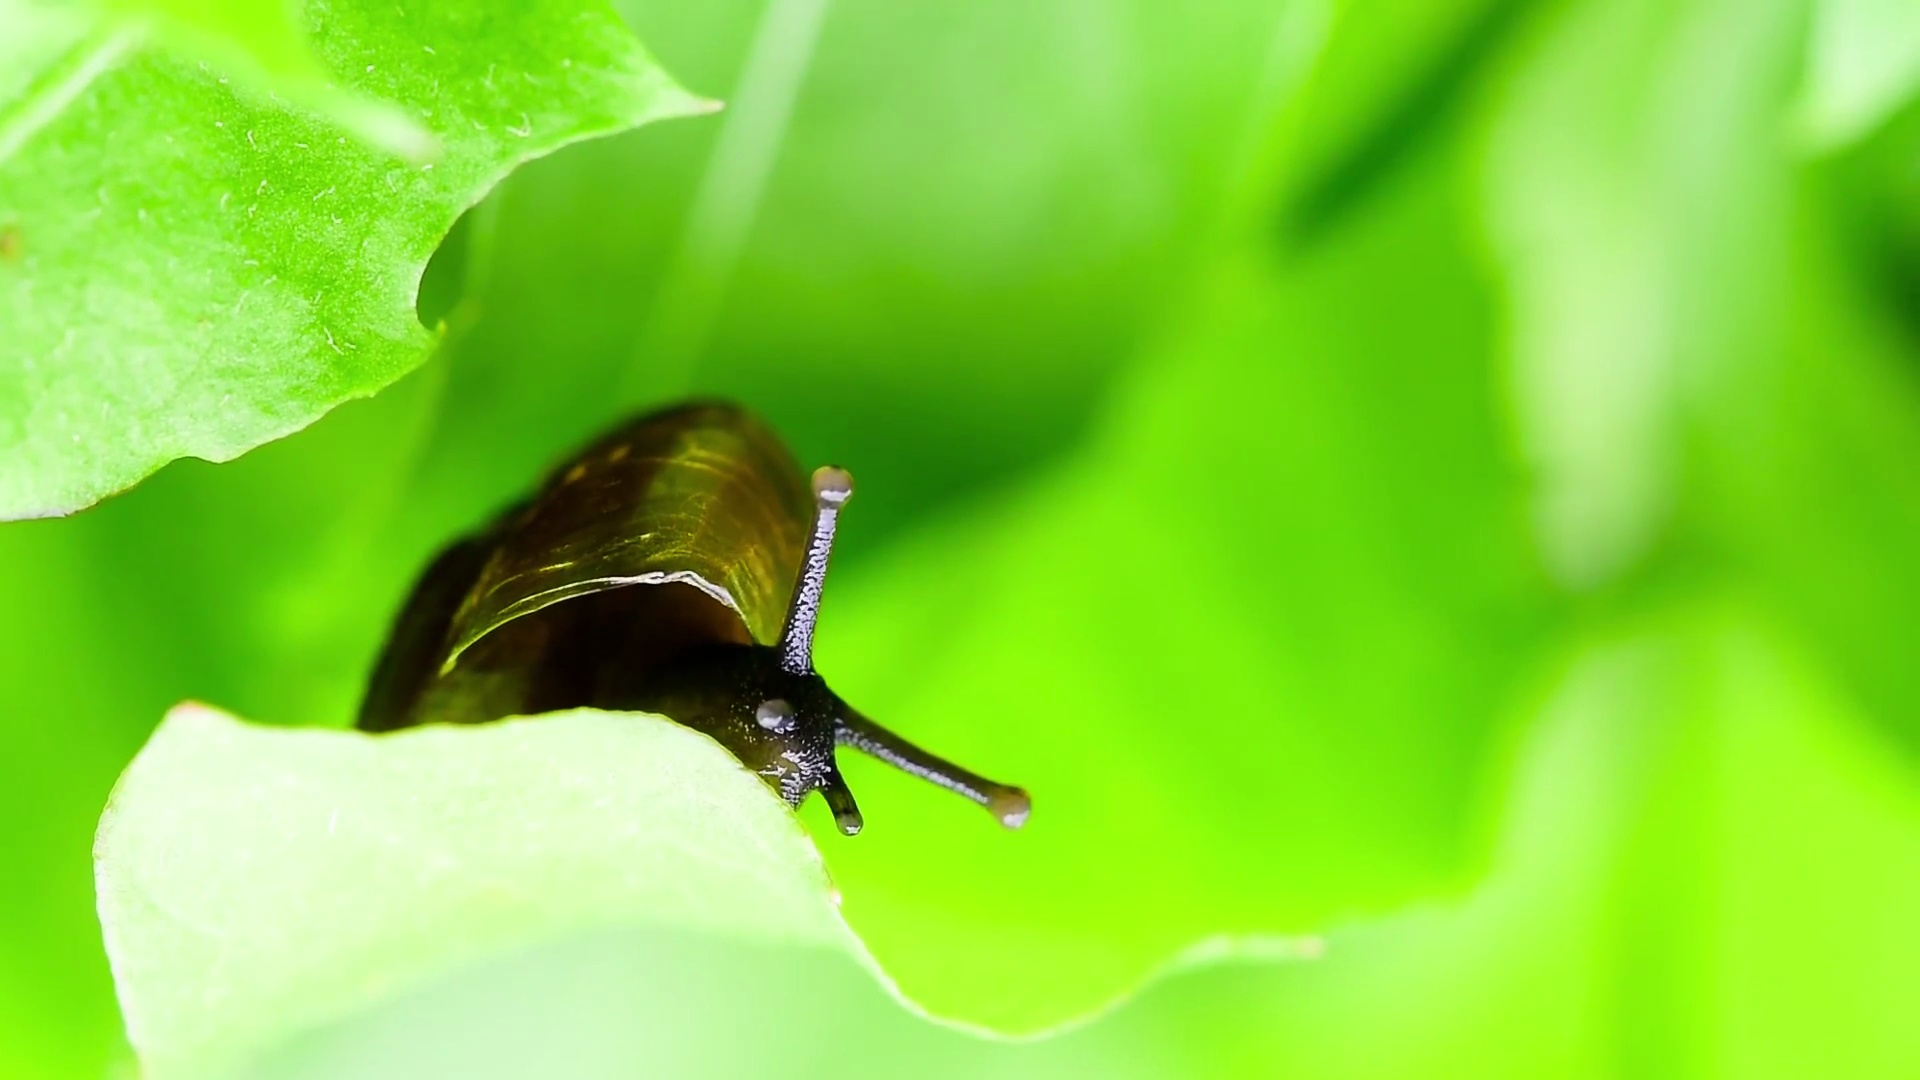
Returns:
point(1450, 470)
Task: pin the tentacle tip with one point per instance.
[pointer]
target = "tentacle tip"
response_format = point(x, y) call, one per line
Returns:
point(1010, 806)
point(832, 485)
point(846, 812)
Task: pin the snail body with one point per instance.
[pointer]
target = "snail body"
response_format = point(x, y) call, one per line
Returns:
point(674, 567)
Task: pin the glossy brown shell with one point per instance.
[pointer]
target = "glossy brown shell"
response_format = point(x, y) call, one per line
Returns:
point(703, 495)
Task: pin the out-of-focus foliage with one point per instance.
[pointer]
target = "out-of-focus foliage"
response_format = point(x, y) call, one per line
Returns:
point(1142, 573)
point(1301, 442)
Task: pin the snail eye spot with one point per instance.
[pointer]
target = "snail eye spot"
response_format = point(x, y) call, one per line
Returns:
point(774, 714)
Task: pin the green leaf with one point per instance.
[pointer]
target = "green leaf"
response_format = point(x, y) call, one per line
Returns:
point(257, 881)
point(193, 268)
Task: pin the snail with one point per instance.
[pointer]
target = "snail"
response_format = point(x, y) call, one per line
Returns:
point(673, 567)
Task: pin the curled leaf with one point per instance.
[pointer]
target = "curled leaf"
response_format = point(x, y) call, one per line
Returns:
point(192, 267)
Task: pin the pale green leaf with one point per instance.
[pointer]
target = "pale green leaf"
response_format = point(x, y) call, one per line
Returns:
point(1636, 247)
point(1862, 66)
point(256, 881)
point(1707, 349)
